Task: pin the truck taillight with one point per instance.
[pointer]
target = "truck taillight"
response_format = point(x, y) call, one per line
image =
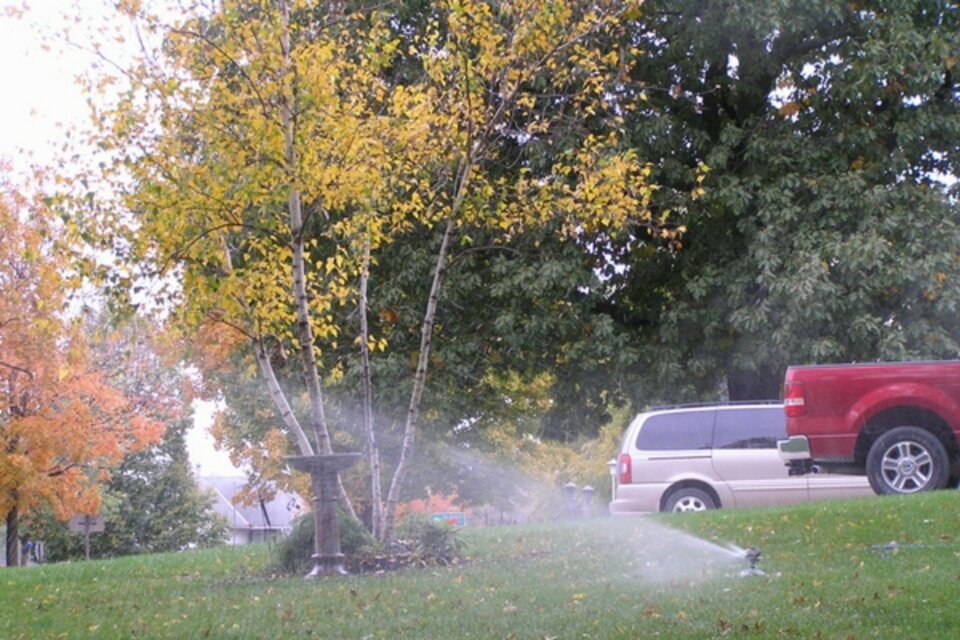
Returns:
point(625, 469)
point(794, 403)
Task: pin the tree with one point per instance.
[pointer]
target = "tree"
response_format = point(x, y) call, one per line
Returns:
point(63, 422)
point(151, 504)
point(824, 233)
point(280, 149)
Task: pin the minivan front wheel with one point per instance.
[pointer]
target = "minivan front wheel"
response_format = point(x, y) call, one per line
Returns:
point(688, 499)
point(907, 460)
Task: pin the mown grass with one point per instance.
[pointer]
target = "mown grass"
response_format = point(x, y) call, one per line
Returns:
point(831, 573)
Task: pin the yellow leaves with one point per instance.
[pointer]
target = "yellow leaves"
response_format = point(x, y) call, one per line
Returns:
point(702, 171)
point(597, 188)
point(369, 160)
point(789, 109)
point(632, 10)
point(374, 344)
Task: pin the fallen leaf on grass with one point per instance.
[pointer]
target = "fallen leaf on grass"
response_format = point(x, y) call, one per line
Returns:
point(651, 611)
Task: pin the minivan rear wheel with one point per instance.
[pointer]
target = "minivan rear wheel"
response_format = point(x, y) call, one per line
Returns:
point(684, 499)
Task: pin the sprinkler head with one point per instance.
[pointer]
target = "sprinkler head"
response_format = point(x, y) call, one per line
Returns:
point(752, 555)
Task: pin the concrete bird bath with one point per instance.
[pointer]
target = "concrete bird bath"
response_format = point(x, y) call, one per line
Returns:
point(324, 472)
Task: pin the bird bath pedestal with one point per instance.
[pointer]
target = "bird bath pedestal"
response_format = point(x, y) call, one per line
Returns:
point(324, 472)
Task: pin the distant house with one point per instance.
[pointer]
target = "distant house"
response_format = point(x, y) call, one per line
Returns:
point(263, 521)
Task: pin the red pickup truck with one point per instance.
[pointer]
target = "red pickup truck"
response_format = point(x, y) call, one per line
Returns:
point(898, 423)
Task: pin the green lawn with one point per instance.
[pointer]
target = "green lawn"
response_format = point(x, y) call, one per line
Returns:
point(831, 573)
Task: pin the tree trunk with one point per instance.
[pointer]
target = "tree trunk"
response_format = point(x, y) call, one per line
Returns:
point(406, 449)
point(295, 211)
point(426, 336)
point(761, 384)
point(373, 451)
point(311, 375)
point(280, 399)
point(13, 537)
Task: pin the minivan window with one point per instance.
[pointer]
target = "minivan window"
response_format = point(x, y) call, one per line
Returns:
point(749, 428)
point(682, 430)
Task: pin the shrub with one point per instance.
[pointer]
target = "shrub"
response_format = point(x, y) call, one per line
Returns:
point(420, 541)
point(430, 541)
point(294, 553)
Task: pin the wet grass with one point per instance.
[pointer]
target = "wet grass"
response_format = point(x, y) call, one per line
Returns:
point(831, 572)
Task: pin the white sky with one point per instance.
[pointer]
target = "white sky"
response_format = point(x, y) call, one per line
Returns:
point(38, 89)
point(202, 452)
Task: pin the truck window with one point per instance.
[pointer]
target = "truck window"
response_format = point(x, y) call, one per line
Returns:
point(684, 430)
point(749, 428)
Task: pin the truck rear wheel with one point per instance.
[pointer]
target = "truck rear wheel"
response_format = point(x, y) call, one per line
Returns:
point(907, 460)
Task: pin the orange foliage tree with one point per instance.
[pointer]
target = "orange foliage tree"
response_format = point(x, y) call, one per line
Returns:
point(63, 423)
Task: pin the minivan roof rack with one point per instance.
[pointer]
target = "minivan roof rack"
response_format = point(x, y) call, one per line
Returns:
point(718, 403)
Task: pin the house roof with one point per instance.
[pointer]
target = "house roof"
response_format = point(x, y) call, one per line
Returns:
point(277, 513)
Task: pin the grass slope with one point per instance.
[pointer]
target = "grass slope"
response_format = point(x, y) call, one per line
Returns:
point(831, 573)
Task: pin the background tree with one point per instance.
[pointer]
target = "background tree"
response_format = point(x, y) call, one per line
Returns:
point(824, 233)
point(151, 502)
point(63, 422)
point(801, 146)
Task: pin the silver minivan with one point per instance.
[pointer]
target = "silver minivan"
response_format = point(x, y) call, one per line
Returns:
point(711, 456)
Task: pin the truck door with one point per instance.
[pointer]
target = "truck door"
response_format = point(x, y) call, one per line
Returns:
point(745, 456)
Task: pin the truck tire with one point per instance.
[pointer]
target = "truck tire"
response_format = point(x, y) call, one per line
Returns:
point(907, 460)
point(688, 499)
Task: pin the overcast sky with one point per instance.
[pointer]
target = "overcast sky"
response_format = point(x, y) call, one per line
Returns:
point(38, 90)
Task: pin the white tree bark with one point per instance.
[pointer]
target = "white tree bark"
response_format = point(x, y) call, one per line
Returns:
point(373, 451)
point(280, 399)
point(311, 375)
point(419, 381)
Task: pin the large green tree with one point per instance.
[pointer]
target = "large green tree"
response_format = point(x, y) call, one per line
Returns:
point(802, 146)
point(824, 233)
